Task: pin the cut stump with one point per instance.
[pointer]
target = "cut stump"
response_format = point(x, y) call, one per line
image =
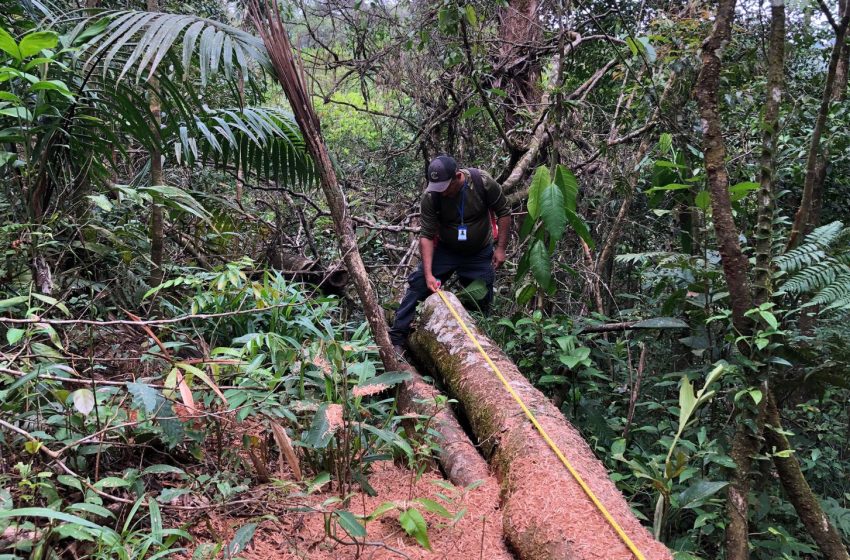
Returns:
point(546, 513)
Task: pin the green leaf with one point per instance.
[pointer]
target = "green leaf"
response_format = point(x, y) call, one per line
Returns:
point(241, 539)
point(381, 510)
point(163, 469)
point(741, 190)
point(580, 227)
point(553, 212)
point(668, 187)
point(434, 507)
point(83, 401)
point(471, 17)
point(568, 184)
point(144, 395)
point(21, 113)
point(541, 266)
point(175, 197)
point(15, 335)
point(53, 85)
point(50, 514)
point(540, 181)
point(111, 482)
point(665, 142)
point(696, 494)
point(702, 200)
point(350, 524)
point(687, 402)
point(34, 43)
point(320, 430)
point(414, 525)
point(101, 202)
point(756, 395)
point(9, 45)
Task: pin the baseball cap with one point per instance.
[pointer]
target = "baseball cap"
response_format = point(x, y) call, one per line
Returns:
point(441, 171)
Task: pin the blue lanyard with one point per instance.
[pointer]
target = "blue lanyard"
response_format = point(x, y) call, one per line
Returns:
point(462, 200)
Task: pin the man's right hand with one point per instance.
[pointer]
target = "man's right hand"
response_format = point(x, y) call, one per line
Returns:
point(432, 283)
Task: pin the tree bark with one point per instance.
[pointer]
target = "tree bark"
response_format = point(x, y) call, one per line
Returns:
point(519, 70)
point(799, 493)
point(156, 218)
point(290, 74)
point(735, 265)
point(802, 219)
point(775, 79)
point(546, 514)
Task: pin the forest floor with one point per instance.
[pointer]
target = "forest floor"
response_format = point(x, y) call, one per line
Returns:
point(293, 526)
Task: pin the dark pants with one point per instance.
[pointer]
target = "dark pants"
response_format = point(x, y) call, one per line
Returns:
point(445, 263)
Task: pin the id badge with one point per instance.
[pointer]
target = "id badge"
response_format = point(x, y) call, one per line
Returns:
point(461, 233)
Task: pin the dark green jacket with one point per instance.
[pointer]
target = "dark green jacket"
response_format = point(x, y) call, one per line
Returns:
point(475, 216)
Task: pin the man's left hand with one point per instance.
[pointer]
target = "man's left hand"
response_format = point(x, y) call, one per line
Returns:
point(499, 257)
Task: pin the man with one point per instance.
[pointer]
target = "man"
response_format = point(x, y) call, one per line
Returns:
point(456, 237)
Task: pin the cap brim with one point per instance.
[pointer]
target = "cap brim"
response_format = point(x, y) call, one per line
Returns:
point(438, 187)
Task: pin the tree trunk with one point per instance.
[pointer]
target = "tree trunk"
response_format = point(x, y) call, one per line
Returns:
point(290, 74)
point(775, 79)
point(518, 72)
point(156, 219)
point(546, 513)
point(734, 261)
point(802, 219)
point(799, 493)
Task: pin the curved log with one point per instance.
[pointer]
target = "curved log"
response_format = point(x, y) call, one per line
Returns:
point(546, 513)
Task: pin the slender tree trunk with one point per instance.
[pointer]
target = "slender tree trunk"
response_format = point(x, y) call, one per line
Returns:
point(802, 219)
point(734, 261)
point(799, 493)
point(775, 79)
point(156, 218)
point(518, 71)
point(290, 74)
point(735, 268)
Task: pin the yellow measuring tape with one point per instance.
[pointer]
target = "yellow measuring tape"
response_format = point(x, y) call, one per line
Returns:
point(611, 521)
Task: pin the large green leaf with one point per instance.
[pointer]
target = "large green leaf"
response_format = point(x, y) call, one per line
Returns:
point(568, 184)
point(580, 227)
point(350, 524)
point(9, 45)
point(34, 43)
point(540, 181)
point(553, 212)
point(698, 492)
point(414, 525)
point(541, 266)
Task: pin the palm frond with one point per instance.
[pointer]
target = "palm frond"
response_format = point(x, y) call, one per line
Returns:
point(261, 141)
point(139, 41)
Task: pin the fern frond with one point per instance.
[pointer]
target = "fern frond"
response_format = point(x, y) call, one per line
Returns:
point(825, 235)
point(806, 254)
point(815, 277)
point(836, 291)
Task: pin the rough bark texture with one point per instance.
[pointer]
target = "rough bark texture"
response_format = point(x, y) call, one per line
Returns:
point(546, 514)
point(802, 219)
point(798, 491)
point(734, 261)
point(764, 227)
point(290, 75)
point(519, 69)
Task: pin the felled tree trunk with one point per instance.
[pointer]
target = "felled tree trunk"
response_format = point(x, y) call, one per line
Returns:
point(546, 513)
point(458, 456)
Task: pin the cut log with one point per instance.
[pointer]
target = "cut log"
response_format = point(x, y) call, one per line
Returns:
point(546, 513)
